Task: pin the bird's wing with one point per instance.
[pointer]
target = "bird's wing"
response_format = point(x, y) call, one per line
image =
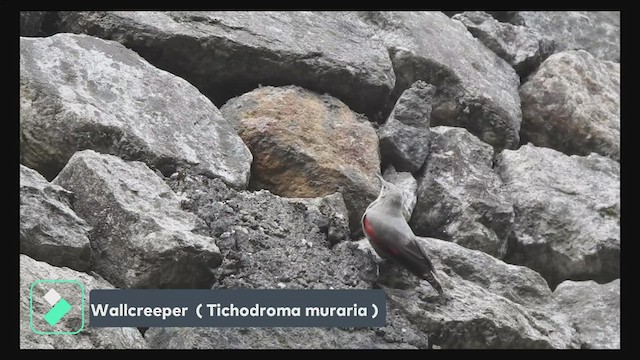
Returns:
point(424, 253)
point(395, 237)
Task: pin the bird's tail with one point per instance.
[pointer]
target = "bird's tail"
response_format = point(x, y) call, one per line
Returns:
point(431, 279)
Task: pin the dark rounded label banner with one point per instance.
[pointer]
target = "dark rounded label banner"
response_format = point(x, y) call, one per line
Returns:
point(236, 308)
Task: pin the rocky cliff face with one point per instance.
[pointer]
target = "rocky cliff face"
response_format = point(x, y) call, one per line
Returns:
point(240, 150)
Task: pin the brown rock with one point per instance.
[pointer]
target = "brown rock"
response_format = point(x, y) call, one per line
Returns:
point(307, 145)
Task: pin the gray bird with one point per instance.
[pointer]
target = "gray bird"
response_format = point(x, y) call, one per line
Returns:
point(392, 238)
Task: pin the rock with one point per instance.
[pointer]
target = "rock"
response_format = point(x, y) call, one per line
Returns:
point(267, 239)
point(594, 310)
point(475, 88)
point(409, 186)
point(49, 229)
point(78, 92)
point(404, 138)
point(460, 197)
point(226, 53)
point(31, 22)
point(567, 223)
point(478, 319)
point(307, 145)
point(512, 17)
point(140, 237)
point(282, 338)
point(598, 32)
point(521, 47)
point(90, 337)
point(269, 242)
point(572, 104)
point(486, 303)
point(329, 214)
point(519, 284)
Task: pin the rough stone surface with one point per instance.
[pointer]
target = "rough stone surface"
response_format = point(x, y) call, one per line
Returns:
point(140, 237)
point(572, 104)
point(284, 338)
point(594, 310)
point(475, 88)
point(409, 186)
point(595, 31)
point(307, 145)
point(516, 283)
point(329, 213)
point(49, 229)
point(460, 197)
point(486, 303)
point(404, 138)
point(269, 242)
point(521, 47)
point(89, 338)
point(78, 92)
point(228, 53)
point(567, 213)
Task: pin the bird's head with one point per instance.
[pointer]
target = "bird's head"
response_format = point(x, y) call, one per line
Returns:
point(390, 195)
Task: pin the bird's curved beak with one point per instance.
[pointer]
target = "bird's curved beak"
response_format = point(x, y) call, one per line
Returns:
point(382, 180)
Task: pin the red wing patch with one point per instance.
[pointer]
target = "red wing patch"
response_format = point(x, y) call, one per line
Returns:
point(368, 230)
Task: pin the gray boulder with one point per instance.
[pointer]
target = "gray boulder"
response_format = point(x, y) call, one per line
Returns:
point(89, 337)
point(598, 32)
point(594, 310)
point(486, 303)
point(140, 237)
point(404, 137)
point(519, 284)
point(227, 53)
point(78, 92)
point(49, 229)
point(475, 88)
point(460, 198)
point(567, 223)
point(572, 104)
point(522, 47)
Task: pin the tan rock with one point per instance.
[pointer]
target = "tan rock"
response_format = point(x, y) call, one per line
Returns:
point(307, 145)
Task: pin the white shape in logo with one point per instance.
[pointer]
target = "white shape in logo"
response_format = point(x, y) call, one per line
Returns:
point(52, 297)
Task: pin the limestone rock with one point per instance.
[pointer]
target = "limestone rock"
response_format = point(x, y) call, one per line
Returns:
point(78, 92)
point(49, 229)
point(572, 104)
point(140, 237)
point(567, 222)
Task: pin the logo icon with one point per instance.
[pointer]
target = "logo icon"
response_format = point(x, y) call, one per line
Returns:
point(56, 307)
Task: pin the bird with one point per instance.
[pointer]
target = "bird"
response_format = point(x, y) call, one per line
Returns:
point(391, 237)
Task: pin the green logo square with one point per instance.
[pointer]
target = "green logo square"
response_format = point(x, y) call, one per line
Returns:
point(51, 302)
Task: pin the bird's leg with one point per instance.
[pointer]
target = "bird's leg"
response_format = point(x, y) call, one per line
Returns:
point(378, 261)
point(381, 262)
